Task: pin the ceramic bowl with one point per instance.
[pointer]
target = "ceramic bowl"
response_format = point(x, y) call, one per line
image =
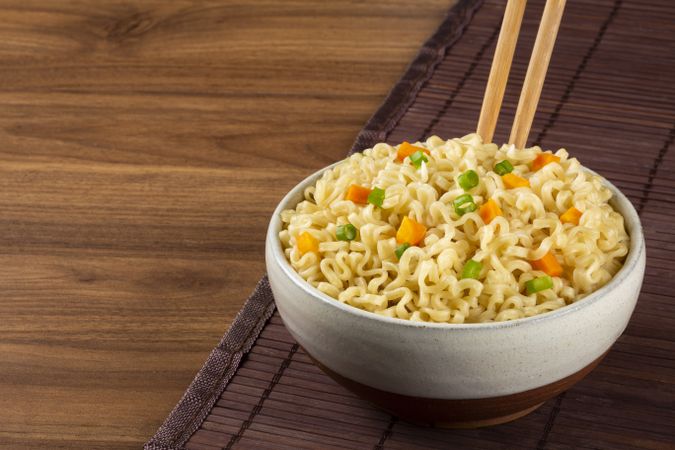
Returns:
point(464, 375)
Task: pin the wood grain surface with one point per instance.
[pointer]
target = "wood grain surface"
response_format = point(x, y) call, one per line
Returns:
point(143, 146)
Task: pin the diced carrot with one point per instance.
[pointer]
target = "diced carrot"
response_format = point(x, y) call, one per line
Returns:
point(548, 264)
point(572, 216)
point(358, 194)
point(410, 231)
point(512, 181)
point(542, 159)
point(307, 243)
point(406, 149)
point(489, 210)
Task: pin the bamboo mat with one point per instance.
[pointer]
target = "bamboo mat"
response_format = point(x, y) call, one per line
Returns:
point(610, 100)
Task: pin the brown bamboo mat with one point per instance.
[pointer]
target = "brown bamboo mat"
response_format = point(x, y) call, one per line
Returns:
point(610, 99)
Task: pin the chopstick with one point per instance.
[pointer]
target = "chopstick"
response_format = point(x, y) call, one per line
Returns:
point(536, 72)
point(499, 72)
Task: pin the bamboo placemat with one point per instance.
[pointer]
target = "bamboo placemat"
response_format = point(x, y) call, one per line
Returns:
point(610, 99)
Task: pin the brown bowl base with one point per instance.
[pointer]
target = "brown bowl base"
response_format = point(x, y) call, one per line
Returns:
point(486, 422)
point(460, 413)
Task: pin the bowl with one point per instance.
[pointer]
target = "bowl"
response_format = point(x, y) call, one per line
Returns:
point(455, 375)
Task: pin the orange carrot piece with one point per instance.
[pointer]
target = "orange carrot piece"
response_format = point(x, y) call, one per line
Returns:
point(358, 194)
point(542, 159)
point(512, 181)
point(406, 149)
point(410, 231)
point(572, 216)
point(489, 210)
point(548, 264)
point(307, 243)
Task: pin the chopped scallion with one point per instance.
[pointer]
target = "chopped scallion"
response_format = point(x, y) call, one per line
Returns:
point(417, 158)
point(464, 204)
point(466, 208)
point(468, 180)
point(504, 167)
point(376, 197)
point(400, 249)
point(346, 232)
point(539, 284)
point(471, 269)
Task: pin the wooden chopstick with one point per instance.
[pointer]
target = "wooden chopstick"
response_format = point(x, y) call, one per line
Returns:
point(536, 72)
point(501, 66)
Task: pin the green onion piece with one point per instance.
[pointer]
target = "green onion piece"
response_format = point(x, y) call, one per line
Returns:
point(471, 269)
point(346, 232)
point(464, 204)
point(417, 158)
point(376, 197)
point(466, 208)
point(400, 249)
point(468, 180)
point(503, 168)
point(539, 284)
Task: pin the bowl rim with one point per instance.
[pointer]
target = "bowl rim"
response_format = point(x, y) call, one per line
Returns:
point(619, 200)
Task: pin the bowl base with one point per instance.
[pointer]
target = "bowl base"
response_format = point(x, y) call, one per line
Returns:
point(460, 413)
point(486, 422)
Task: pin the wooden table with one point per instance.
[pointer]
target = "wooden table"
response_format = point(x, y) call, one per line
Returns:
point(143, 146)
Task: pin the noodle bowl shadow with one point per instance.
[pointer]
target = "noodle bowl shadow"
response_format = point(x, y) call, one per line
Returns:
point(455, 375)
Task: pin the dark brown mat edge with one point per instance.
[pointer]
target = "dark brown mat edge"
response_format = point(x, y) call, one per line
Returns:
point(211, 380)
point(223, 362)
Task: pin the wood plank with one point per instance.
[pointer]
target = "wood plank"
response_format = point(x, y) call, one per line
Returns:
point(141, 147)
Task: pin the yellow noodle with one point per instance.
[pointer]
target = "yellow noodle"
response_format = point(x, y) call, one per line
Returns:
point(425, 284)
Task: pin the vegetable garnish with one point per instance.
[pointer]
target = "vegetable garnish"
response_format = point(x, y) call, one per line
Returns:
point(504, 167)
point(345, 232)
point(542, 159)
point(539, 284)
point(307, 243)
point(417, 158)
point(410, 231)
point(358, 194)
point(464, 204)
point(471, 269)
point(572, 216)
point(400, 249)
point(548, 264)
point(406, 149)
point(376, 197)
point(468, 180)
point(512, 181)
point(489, 210)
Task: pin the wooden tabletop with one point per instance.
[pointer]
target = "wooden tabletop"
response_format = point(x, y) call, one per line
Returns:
point(143, 146)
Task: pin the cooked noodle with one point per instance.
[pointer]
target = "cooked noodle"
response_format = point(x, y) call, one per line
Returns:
point(426, 284)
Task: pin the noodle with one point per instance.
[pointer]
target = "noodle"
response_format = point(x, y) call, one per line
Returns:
point(426, 283)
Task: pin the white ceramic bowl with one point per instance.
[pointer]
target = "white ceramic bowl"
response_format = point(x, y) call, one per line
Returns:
point(455, 375)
